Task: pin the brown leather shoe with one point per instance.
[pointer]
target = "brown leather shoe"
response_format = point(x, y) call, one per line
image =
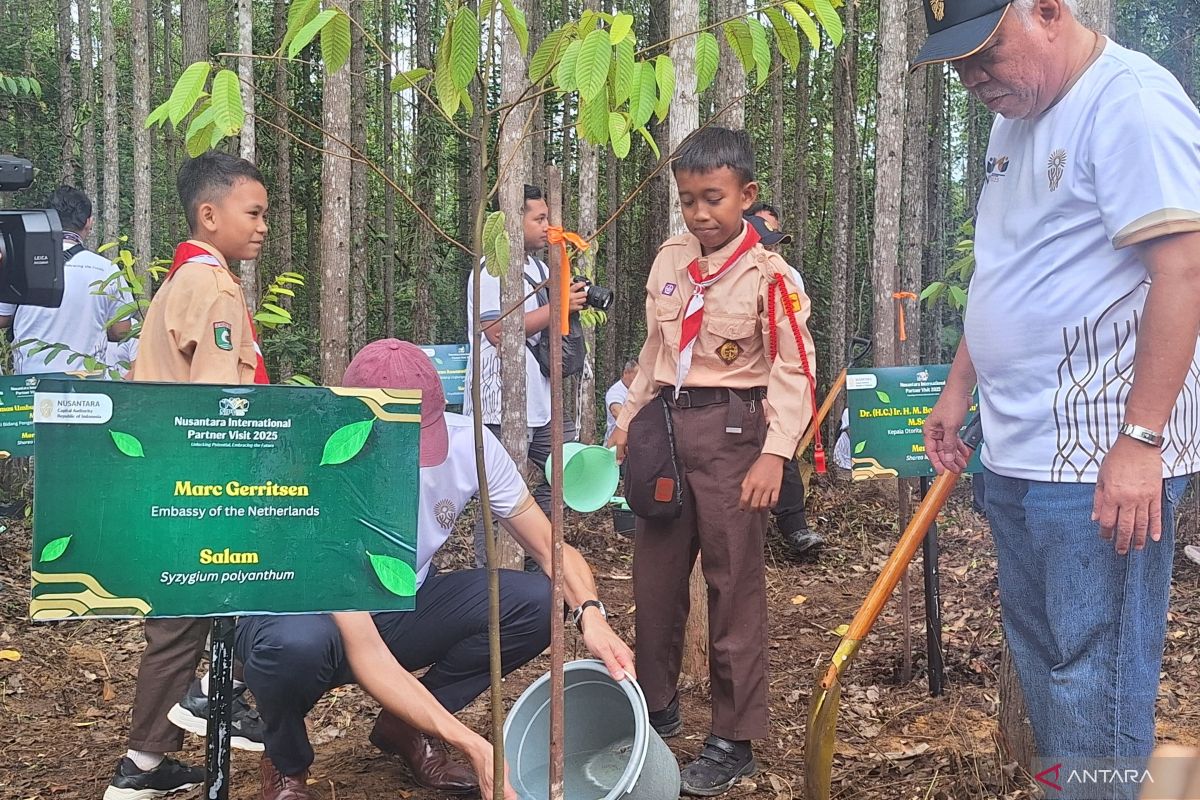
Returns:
point(276, 786)
point(426, 757)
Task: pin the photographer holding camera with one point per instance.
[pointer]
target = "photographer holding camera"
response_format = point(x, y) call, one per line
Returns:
point(536, 219)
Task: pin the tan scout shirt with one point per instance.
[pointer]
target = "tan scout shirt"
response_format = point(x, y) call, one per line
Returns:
point(183, 334)
point(733, 349)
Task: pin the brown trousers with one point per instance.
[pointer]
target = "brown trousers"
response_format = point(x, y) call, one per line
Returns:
point(173, 650)
point(713, 464)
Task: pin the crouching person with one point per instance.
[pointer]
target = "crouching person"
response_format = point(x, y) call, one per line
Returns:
point(291, 661)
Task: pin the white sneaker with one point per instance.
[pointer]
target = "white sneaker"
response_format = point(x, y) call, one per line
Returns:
point(1193, 553)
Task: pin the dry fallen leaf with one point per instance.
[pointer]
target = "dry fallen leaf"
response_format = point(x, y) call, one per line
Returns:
point(798, 599)
point(9, 655)
point(108, 693)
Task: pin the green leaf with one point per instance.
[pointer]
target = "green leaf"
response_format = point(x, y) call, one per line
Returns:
point(54, 549)
point(786, 36)
point(622, 71)
point(587, 23)
point(464, 47)
point(664, 76)
point(201, 140)
point(548, 54)
point(622, 26)
point(650, 141)
point(448, 95)
point(883, 396)
point(858, 448)
point(159, 115)
point(593, 119)
point(829, 20)
point(516, 21)
point(345, 443)
point(202, 120)
point(300, 14)
point(564, 74)
point(464, 97)
point(486, 8)
point(708, 57)
point(395, 575)
point(127, 444)
point(335, 43)
point(228, 112)
point(591, 68)
point(740, 42)
point(618, 133)
point(493, 228)
point(309, 32)
point(498, 265)
point(274, 309)
point(409, 79)
point(37, 87)
point(644, 95)
point(805, 22)
point(187, 90)
point(958, 297)
point(271, 319)
point(761, 49)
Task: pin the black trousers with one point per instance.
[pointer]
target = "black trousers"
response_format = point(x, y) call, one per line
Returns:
point(292, 660)
point(789, 509)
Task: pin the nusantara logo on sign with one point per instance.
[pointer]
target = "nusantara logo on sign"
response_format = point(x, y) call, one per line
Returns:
point(234, 406)
point(996, 167)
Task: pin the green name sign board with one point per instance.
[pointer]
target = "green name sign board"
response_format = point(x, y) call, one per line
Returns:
point(451, 362)
point(887, 414)
point(16, 415)
point(180, 500)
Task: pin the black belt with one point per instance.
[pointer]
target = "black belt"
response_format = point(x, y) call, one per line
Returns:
point(700, 396)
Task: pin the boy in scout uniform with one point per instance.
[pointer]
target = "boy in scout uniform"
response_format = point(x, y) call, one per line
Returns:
point(728, 352)
point(197, 330)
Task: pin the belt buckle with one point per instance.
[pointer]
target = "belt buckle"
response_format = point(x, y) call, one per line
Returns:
point(683, 399)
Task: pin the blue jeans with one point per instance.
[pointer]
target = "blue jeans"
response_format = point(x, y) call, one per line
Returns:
point(1086, 626)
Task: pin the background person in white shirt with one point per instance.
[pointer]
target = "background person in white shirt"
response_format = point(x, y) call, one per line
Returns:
point(614, 398)
point(292, 660)
point(535, 217)
point(84, 322)
point(1081, 333)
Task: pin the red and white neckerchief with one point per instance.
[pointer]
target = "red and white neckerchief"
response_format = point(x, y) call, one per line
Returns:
point(693, 315)
point(188, 252)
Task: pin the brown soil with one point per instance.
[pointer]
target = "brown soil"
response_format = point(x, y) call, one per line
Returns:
point(65, 704)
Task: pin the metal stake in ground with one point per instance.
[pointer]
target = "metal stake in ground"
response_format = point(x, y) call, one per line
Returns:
point(220, 710)
point(933, 603)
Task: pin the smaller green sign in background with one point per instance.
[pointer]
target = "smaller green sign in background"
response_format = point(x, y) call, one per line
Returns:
point(887, 413)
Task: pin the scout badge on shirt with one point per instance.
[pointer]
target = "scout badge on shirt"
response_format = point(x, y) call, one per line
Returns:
point(693, 315)
point(185, 252)
point(729, 351)
point(223, 335)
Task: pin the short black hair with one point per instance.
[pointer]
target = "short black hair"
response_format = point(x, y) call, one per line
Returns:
point(712, 148)
point(73, 206)
point(767, 207)
point(532, 193)
point(209, 177)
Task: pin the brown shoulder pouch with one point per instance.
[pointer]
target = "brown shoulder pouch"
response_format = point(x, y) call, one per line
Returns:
point(652, 475)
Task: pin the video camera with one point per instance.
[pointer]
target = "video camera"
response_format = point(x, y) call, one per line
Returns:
point(31, 251)
point(598, 297)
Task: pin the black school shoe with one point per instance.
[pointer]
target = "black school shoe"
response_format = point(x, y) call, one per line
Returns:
point(191, 714)
point(720, 764)
point(131, 783)
point(667, 723)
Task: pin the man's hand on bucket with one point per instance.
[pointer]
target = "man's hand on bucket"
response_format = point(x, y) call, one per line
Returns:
point(603, 643)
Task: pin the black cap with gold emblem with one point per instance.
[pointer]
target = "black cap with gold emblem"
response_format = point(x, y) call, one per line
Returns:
point(958, 28)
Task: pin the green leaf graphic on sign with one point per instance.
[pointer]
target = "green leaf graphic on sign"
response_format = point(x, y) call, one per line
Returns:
point(344, 443)
point(858, 448)
point(54, 549)
point(883, 396)
point(395, 575)
point(129, 445)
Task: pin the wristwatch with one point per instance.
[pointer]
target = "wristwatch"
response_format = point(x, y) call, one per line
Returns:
point(1143, 435)
point(577, 614)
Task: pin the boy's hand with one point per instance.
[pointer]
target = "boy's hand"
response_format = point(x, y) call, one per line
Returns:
point(760, 488)
point(620, 438)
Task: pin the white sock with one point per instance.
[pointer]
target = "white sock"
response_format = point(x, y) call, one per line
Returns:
point(204, 684)
point(143, 760)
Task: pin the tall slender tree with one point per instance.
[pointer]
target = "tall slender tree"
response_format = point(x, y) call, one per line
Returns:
point(360, 267)
point(66, 91)
point(335, 227)
point(141, 137)
point(388, 256)
point(87, 98)
point(845, 149)
point(916, 176)
point(803, 139)
point(589, 200)
point(248, 140)
point(889, 169)
point(424, 148)
point(110, 218)
point(729, 104)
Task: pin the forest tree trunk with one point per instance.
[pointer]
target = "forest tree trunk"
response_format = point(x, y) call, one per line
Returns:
point(360, 265)
point(889, 170)
point(335, 227)
point(111, 215)
point(87, 100)
point(247, 142)
point(141, 139)
point(729, 89)
point(66, 92)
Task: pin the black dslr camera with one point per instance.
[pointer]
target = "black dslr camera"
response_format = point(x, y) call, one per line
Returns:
point(31, 251)
point(598, 297)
